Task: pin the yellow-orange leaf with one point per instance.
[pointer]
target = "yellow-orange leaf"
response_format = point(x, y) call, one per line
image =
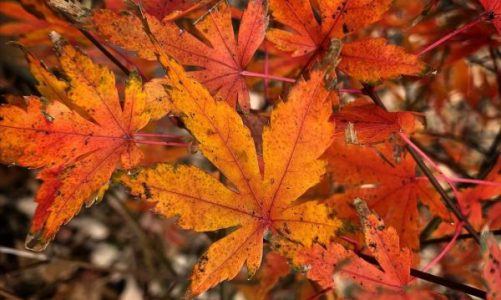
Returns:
point(77, 152)
point(299, 133)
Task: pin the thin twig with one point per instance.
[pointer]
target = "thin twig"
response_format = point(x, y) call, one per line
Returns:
point(448, 36)
point(105, 51)
point(42, 258)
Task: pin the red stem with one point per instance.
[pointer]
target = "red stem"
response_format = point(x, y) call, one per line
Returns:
point(452, 34)
point(174, 144)
point(355, 244)
point(267, 76)
point(350, 91)
point(447, 248)
point(165, 135)
point(322, 292)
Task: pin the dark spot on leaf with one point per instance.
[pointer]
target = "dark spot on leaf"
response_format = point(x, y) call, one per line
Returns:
point(147, 190)
point(345, 28)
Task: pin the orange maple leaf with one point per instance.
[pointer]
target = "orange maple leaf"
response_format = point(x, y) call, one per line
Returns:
point(382, 242)
point(369, 59)
point(220, 59)
point(76, 150)
point(363, 122)
point(255, 203)
point(392, 190)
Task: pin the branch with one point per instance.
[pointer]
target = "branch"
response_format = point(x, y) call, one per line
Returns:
point(105, 51)
point(74, 13)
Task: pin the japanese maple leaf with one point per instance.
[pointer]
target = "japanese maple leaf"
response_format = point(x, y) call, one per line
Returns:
point(220, 60)
point(363, 122)
point(254, 203)
point(75, 150)
point(492, 265)
point(368, 59)
point(33, 29)
point(383, 243)
point(392, 190)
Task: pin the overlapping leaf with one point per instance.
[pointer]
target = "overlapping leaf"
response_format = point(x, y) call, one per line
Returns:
point(392, 190)
point(255, 203)
point(76, 150)
point(363, 122)
point(367, 59)
point(220, 59)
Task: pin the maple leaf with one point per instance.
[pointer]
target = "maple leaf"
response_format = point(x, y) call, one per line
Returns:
point(298, 134)
point(382, 242)
point(220, 60)
point(392, 190)
point(367, 59)
point(372, 59)
point(76, 150)
point(34, 30)
point(492, 264)
point(363, 122)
